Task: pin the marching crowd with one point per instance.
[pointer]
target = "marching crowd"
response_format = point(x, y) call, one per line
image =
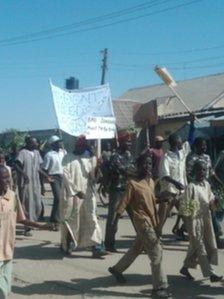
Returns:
point(148, 188)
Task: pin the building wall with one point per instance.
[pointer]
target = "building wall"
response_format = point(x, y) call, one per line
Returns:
point(170, 126)
point(219, 123)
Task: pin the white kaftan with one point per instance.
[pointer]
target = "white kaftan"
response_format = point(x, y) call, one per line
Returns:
point(30, 194)
point(78, 216)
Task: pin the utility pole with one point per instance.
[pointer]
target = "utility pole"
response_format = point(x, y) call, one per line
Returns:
point(104, 68)
point(104, 65)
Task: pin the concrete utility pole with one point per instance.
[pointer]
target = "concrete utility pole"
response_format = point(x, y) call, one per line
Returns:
point(104, 65)
point(104, 68)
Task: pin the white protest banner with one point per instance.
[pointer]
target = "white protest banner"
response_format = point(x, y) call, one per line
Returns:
point(100, 128)
point(74, 108)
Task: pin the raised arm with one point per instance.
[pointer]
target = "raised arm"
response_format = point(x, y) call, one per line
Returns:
point(192, 129)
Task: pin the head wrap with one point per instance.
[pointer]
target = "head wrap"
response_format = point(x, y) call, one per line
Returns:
point(81, 141)
point(124, 137)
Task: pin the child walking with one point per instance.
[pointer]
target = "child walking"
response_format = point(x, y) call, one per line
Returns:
point(10, 213)
point(195, 208)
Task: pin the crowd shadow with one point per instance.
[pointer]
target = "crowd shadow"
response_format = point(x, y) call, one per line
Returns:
point(129, 237)
point(39, 252)
point(124, 244)
point(169, 248)
point(170, 238)
point(169, 243)
point(42, 252)
point(183, 288)
point(104, 216)
point(107, 286)
point(100, 287)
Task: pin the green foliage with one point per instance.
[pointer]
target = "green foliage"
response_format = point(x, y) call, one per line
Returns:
point(11, 139)
point(132, 130)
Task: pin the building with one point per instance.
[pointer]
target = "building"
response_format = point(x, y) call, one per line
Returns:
point(200, 94)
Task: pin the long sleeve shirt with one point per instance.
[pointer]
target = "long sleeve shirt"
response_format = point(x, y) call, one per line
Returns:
point(140, 199)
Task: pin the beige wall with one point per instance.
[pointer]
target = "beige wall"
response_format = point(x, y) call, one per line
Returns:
point(218, 123)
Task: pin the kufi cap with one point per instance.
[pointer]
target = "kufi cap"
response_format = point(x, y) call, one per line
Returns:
point(54, 139)
point(159, 138)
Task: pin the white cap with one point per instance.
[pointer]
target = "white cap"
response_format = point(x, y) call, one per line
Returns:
point(159, 138)
point(54, 139)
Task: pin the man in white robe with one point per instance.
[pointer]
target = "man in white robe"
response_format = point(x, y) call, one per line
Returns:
point(78, 202)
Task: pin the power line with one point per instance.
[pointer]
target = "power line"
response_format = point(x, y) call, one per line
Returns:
point(89, 21)
point(102, 26)
point(175, 52)
point(51, 64)
point(130, 68)
point(168, 63)
point(196, 67)
point(197, 60)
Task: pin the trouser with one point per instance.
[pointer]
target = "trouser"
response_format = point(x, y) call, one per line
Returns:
point(149, 241)
point(95, 248)
point(217, 218)
point(98, 248)
point(5, 278)
point(163, 213)
point(165, 209)
point(196, 249)
point(56, 190)
point(114, 198)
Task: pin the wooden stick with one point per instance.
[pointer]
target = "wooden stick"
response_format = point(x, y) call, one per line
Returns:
point(182, 101)
point(147, 135)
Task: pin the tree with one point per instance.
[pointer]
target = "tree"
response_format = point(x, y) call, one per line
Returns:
point(11, 139)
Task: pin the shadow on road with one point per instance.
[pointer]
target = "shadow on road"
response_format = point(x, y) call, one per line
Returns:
point(39, 252)
point(169, 243)
point(107, 286)
point(124, 243)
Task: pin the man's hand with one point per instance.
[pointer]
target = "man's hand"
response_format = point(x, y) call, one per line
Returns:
point(43, 191)
point(46, 226)
point(165, 196)
point(104, 191)
point(192, 117)
point(179, 186)
point(26, 179)
point(176, 184)
point(213, 204)
point(50, 179)
point(81, 195)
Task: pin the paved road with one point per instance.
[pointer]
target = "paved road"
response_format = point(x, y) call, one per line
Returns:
point(41, 271)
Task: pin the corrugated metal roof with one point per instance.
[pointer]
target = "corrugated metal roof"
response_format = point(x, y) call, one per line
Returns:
point(197, 93)
point(123, 110)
